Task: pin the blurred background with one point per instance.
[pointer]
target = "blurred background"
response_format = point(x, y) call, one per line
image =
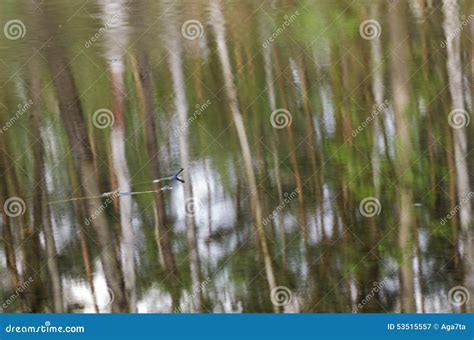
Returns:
point(326, 146)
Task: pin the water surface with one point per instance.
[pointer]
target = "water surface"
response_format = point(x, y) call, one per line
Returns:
point(326, 146)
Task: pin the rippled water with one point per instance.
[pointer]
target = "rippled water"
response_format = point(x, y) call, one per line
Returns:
point(326, 147)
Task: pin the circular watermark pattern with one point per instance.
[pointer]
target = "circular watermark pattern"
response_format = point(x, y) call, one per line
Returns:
point(192, 29)
point(281, 296)
point(14, 29)
point(281, 118)
point(370, 206)
point(108, 299)
point(370, 29)
point(458, 296)
point(103, 118)
point(458, 119)
point(192, 206)
point(14, 207)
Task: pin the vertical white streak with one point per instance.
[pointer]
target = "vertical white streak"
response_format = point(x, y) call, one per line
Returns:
point(114, 17)
point(451, 26)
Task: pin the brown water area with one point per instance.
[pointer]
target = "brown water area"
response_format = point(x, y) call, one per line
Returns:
point(326, 150)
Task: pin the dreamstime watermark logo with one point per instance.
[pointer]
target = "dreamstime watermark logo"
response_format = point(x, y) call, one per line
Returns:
point(21, 110)
point(103, 118)
point(281, 118)
point(189, 298)
point(288, 198)
point(370, 29)
point(281, 296)
point(288, 21)
point(370, 207)
point(377, 286)
point(458, 296)
point(111, 196)
point(199, 110)
point(192, 29)
point(14, 206)
point(14, 29)
point(375, 112)
point(17, 293)
point(109, 22)
point(457, 208)
point(457, 31)
point(109, 299)
point(192, 206)
point(46, 328)
point(458, 119)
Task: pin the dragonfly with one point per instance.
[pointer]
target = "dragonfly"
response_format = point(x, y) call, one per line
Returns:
point(172, 178)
